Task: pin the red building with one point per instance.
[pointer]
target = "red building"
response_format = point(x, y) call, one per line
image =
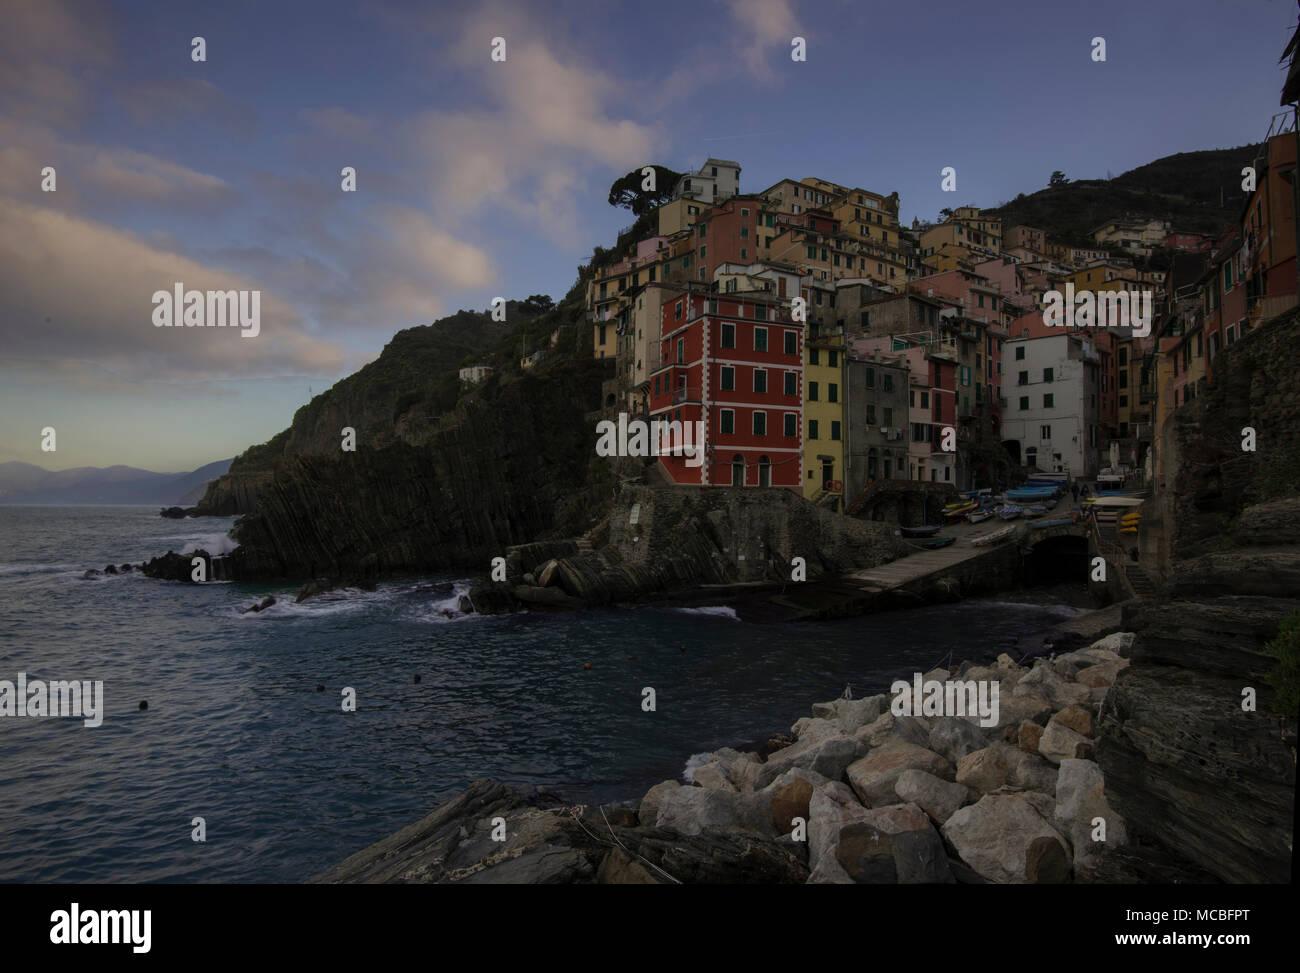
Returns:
point(1191, 242)
point(735, 363)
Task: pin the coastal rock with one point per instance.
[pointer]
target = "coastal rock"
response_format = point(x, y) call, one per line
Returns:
point(874, 776)
point(1043, 681)
point(260, 606)
point(1080, 801)
point(1270, 523)
point(126, 568)
point(1076, 718)
point(174, 513)
point(1059, 742)
point(866, 855)
point(983, 770)
point(888, 727)
point(549, 574)
point(812, 729)
point(713, 776)
point(176, 567)
point(850, 715)
point(91, 574)
point(647, 811)
point(1029, 735)
point(1273, 574)
point(1006, 839)
point(953, 737)
point(1014, 709)
point(1030, 772)
point(110, 569)
point(493, 598)
point(938, 798)
point(831, 807)
point(692, 810)
point(1101, 676)
point(1117, 643)
point(790, 801)
point(828, 757)
point(619, 868)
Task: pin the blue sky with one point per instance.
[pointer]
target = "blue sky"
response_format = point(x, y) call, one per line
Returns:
point(478, 178)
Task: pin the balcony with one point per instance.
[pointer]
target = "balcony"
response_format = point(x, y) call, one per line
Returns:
point(686, 393)
point(1146, 396)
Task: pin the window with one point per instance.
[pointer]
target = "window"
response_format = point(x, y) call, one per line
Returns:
point(760, 312)
point(832, 392)
point(865, 318)
point(871, 414)
point(728, 378)
point(791, 425)
point(814, 356)
point(1045, 432)
point(835, 429)
point(704, 227)
point(812, 391)
point(1024, 403)
point(704, 252)
point(728, 336)
point(760, 339)
point(681, 349)
point(1047, 374)
point(911, 398)
point(791, 343)
point(832, 359)
point(1020, 352)
point(925, 400)
point(679, 309)
point(871, 378)
point(760, 380)
point(743, 212)
point(1023, 379)
point(744, 233)
point(812, 428)
point(887, 417)
point(760, 423)
point(728, 421)
point(1047, 400)
point(1123, 401)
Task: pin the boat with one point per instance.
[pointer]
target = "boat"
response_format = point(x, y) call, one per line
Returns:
point(1009, 512)
point(925, 530)
point(1056, 522)
point(1034, 510)
point(1051, 504)
point(934, 543)
point(1001, 534)
point(979, 516)
point(957, 513)
point(975, 494)
point(1031, 493)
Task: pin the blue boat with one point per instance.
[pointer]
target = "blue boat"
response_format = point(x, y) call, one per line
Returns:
point(1009, 512)
point(1058, 522)
point(1031, 493)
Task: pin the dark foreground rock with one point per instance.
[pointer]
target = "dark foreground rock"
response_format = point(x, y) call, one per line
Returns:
point(323, 585)
point(176, 567)
point(174, 513)
point(546, 843)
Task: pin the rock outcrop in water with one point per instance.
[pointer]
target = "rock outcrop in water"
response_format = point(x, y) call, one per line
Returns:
point(660, 539)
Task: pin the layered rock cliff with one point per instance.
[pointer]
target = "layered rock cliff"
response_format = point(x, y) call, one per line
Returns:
point(499, 470)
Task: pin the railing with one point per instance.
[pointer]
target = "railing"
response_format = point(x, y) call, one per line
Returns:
point(686, 393)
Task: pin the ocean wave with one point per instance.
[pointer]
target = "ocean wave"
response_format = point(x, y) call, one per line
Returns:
point(9, 569)
point(694, 763)
point(721, 611)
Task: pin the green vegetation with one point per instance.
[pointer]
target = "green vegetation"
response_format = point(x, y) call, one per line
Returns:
point(1285, 677)
point(626, 191)
point(1200, 192)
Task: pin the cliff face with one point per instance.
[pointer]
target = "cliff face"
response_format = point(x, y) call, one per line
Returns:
point(396, 398)
point(500, 470)
point(1207, 783)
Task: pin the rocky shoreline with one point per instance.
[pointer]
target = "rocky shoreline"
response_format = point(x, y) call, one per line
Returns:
point(882, 797)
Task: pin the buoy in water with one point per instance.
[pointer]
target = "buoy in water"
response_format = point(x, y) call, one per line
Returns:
point(586, 665)
point(417, 678)
point(144, 704)
point(320, 688)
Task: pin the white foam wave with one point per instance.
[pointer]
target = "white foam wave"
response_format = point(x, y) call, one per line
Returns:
point(721, 611)
point(694, 763)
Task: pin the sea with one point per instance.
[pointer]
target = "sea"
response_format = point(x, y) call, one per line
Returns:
point(246, 726)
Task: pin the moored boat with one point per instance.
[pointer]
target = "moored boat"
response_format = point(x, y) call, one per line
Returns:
point(979, 516)
point(934, 543)
point(925, 530)
point(1009, 512)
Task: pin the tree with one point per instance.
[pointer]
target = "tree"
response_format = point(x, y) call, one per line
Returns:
point(1058, 179)
point(946, 213)
point(540, 303)
point(626, 191)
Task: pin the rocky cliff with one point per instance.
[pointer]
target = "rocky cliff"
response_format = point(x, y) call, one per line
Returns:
point(500, 470)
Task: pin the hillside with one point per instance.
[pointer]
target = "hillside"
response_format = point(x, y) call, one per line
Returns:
point(1184, 188)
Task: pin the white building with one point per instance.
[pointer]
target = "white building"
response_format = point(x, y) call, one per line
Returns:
point(475, 373)
point(1052, 387)
point(718, 179)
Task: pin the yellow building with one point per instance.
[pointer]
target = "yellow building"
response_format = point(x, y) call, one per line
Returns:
point(824, 392)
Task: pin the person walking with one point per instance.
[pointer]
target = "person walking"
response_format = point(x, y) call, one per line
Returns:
point(1074, 489)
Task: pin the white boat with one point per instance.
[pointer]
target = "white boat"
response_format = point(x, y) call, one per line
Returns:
point(1001, 534)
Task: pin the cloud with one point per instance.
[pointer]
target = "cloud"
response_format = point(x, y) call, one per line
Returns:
point(173, 102)
point(50, 54)
point(761, 25)
point(123, 172)
point(338, 123)
point(81, 290)
point(545, 128)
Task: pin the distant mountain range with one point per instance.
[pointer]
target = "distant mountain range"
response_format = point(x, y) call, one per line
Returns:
point(28, 484)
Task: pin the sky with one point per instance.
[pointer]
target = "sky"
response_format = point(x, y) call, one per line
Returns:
point(478, 177)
